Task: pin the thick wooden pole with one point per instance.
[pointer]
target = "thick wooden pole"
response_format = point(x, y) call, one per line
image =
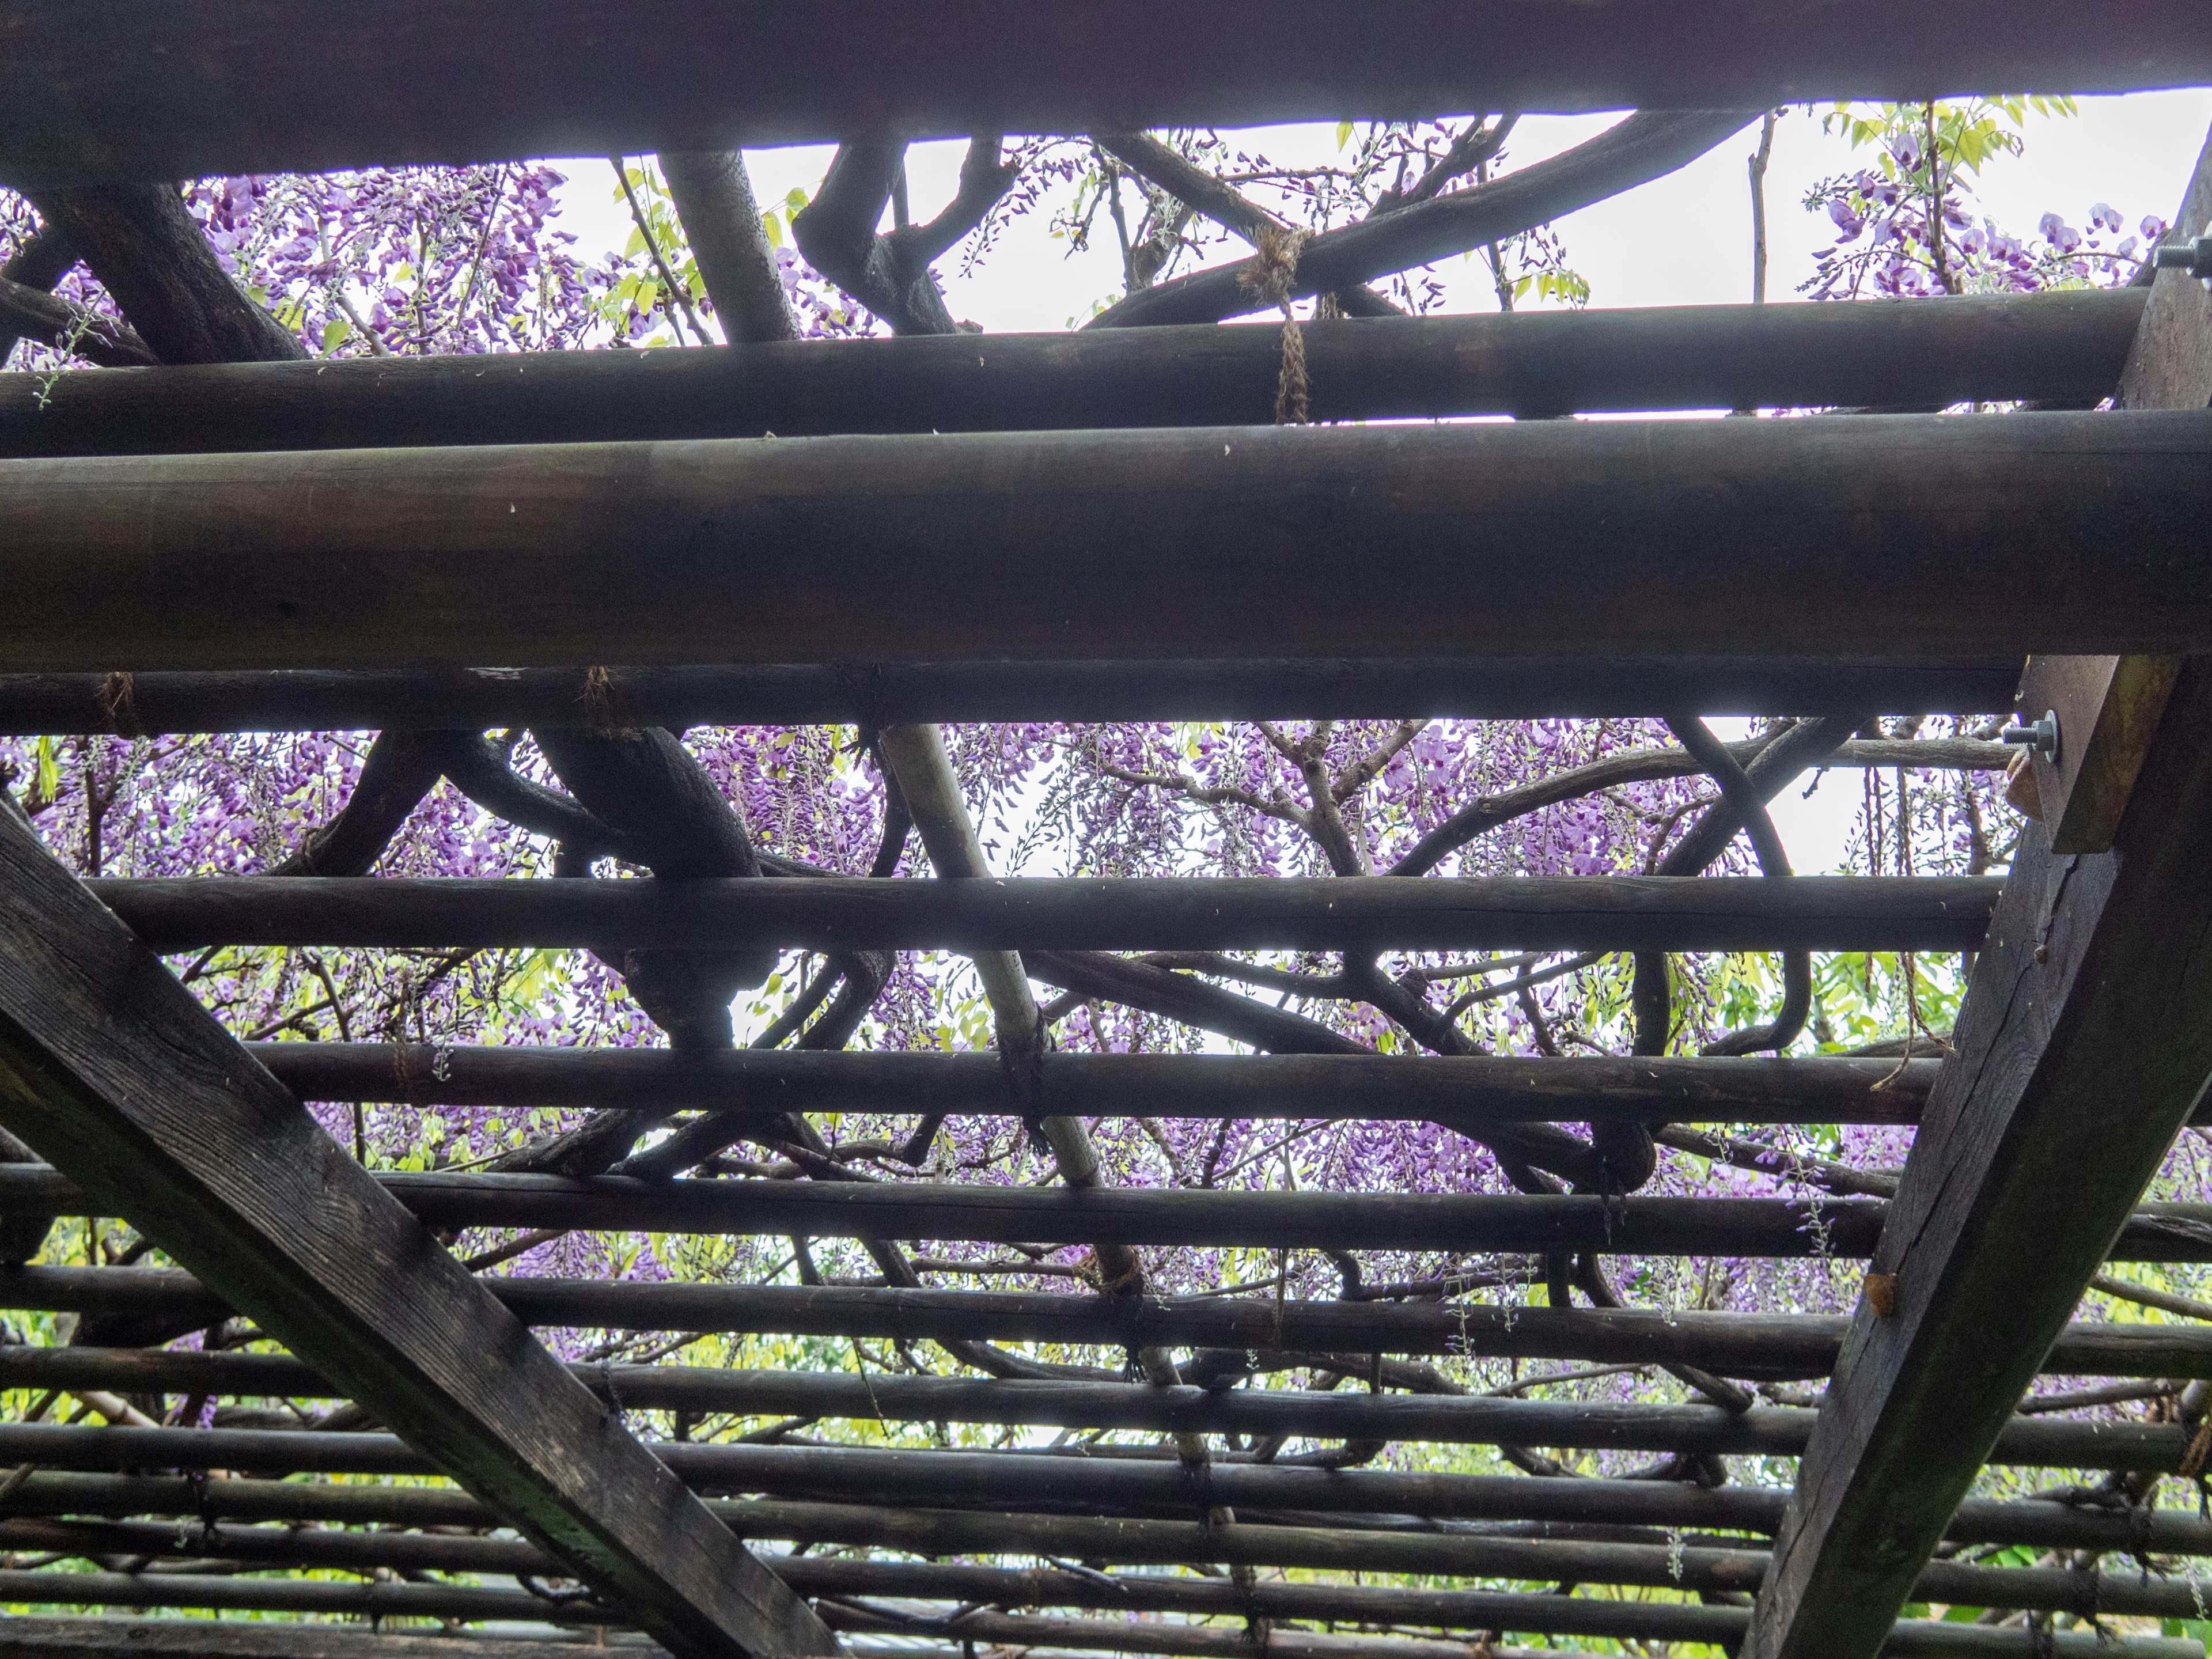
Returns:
point(109, 1066)
point(1472, 1088)
point(2054, 348)
point(143, 89)
point(1473, 913)
point(1897, 535)
point(880, 694)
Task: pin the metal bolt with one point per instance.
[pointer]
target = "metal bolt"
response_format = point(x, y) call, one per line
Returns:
point(2042, 737)
point(2194, 257)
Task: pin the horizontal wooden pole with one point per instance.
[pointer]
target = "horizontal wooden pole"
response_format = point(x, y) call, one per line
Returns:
point(877, 694)
point(2053, 348)
point(994, 1478)
point(1708, 1569)
point(1603, 539)
point(137, 90)
point(1457, 1222)
point(1448, 1089)
point(1738, 1345)
point(2040, 1522)
point(843, 913)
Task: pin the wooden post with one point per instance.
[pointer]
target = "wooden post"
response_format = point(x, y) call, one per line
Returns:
point(2082, 1047)
point(111, 1068)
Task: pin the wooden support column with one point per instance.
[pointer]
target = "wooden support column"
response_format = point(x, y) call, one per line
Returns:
point(2084, 1041)
point(110, 1067)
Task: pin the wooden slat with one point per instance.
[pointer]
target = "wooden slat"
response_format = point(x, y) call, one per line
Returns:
point(2057, 532)
point(142, 88)
point(109, 1066)
point(1547, 912)
point(1437, 1088)
point(881, 694)
point(2053, 348)
point(2082, 1047)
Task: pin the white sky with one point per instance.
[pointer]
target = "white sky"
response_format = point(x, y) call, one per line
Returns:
point(1683, 240)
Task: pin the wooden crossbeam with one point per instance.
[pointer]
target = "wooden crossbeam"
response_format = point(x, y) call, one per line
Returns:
point(239, 1500)
point(881, 694)
point(1434, 1088)
point(1457, 1224)
point(1290, 912)
point(137, 88)
point(986, 1479)
point(1729, 1344)
point(2058, 531)
point(2057, 349)
point(109, 1066)
point(2082, 1046)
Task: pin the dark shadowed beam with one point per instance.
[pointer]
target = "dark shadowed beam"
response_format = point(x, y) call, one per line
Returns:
point(2058, 532)
point(2091, 990)
point(2056, 348)
point(1441, 912)
point(879, 694)
point(1737, 1345)
point(109, 1065)
point(144, 88)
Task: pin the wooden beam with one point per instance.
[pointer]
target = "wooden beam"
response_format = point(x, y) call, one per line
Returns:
point(1730, 1344)
point(109, 1066)
point(1458, 1224)
point(967, 1479)
point(1452, 1089)
point(2092, 989)
point(2054, 348)
point(1470, 913)
point(2058, 532)
point(879, 693)
point(135, 90)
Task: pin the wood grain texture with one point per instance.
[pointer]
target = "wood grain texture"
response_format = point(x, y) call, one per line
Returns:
point(1884, 535)
point(879, 694)
point(1473, 913)
point(109, 1066)
point(2091, 991)
point(136, 88)
point(2048, 347)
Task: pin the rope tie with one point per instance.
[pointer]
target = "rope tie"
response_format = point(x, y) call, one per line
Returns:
point(2193, 1461)
point(1269, 274)
point(599, 699)
point(118, 707)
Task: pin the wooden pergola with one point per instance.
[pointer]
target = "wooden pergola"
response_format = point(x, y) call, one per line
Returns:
point(217, 545)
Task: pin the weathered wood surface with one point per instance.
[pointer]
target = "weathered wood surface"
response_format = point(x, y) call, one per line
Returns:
point(399, 1553)
point(1739, 1345)
point(1473, 913)
point(2055, 347)
point(2093, 989)
point(138, 88)
point(1571, 1089)
point(881, 694)
point(1456, 1223)
point(108, 1066)
point(1898, 536)
point(22, 1637)
point(235, 1499)
point(968, 1477)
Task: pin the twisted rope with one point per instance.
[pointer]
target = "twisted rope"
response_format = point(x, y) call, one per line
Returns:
point(1269, 273)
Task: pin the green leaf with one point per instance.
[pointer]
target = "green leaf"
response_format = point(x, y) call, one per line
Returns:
point(772, 226)
point(334, 334)
point(1343, 134)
